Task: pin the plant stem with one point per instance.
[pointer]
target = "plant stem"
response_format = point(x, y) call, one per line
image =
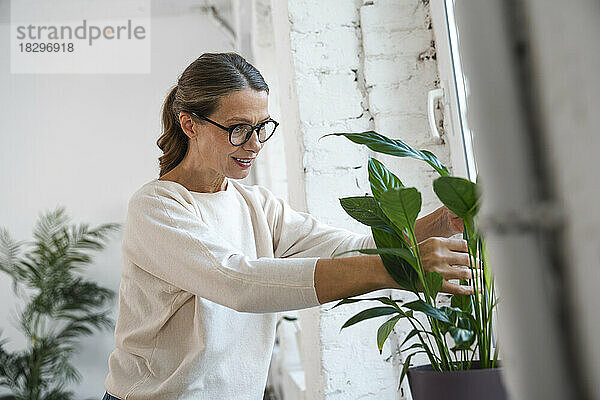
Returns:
point(427, 348)
point(442, 348)
point(423, 327)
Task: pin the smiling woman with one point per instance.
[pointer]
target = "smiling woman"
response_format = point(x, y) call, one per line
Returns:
point(198, 152)
point(208, 261)
point(216, 151)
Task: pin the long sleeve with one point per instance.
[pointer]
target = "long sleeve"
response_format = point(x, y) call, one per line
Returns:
point(299, 234)
point(165, 237)
point(191, 261)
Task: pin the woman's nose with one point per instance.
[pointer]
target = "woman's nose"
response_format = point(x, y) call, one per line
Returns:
point(253, 144)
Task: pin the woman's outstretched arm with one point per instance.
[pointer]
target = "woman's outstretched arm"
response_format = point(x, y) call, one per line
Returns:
point(338, 278)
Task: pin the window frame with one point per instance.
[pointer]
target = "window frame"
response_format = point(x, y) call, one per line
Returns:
point(456, 131)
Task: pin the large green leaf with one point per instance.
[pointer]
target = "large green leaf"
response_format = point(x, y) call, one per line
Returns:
point(460, 195)
point(429, 310)
point(381, 179)
point(466, 322)
point(434, 281)
point(384, 331)
point(398, 268)
point(394, 147)
point(386, 239)
point(462, 302)
point(458, 319)
point(452, 313)
point(463, 338)
point(402, 206)
point(365, 210)
point(368, 314)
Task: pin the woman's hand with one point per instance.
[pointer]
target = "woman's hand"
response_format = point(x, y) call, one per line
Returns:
point(440, 223)
point(447, 256)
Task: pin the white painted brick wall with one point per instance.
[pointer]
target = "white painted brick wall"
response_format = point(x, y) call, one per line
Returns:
point(356, 66)
point(270, 168)
point(398, 78)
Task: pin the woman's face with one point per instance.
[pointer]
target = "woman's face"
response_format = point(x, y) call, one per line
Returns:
point(213, 152)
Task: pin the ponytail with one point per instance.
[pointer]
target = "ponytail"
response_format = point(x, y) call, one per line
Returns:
point(173, 142)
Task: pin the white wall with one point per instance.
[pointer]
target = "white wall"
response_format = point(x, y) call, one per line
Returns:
point(88, 142)
point(351, 65)
point(270, 169)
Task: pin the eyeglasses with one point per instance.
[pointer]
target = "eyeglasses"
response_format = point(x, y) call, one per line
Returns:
point(241, 133)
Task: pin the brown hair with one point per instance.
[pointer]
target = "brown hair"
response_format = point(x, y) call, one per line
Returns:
point(199, 89)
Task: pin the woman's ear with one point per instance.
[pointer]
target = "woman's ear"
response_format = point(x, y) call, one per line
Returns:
point(187, 124)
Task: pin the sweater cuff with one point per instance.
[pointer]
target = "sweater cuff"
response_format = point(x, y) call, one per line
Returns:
point(313, 293)
point(303, 284)
point(370, 243)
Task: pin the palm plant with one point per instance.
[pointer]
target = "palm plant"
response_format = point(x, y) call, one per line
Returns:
point(60, 305)
point(455, 334)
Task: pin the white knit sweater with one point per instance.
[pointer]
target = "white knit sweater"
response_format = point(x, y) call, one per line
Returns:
point(203, 277)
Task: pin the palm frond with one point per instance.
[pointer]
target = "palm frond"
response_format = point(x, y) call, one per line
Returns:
point(85, 325)
point(82, 294)
point(31, 276)
point(9, 256)
point(49, 223)
point(7, 367)
point(61, 305)
point(58, 394)
point(51, 364)
point(82, 237)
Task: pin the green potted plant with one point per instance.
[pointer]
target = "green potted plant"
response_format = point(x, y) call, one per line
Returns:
point(60, 305)
point(456, 338)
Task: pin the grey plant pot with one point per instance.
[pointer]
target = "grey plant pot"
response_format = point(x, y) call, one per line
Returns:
point(473, 384)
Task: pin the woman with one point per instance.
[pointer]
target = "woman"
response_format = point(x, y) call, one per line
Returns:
point(208, 261)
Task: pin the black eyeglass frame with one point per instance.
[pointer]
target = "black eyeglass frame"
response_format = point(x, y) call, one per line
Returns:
point(232, 128)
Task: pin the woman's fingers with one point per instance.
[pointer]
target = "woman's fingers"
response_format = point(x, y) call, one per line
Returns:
point(458, 272)
point(459, 245)
point(463, 273)
point(450, 258)
point(454, 258)
point(452, 288)
point(461, 259)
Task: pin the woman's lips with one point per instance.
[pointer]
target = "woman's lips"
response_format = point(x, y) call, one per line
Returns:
point(243, 162)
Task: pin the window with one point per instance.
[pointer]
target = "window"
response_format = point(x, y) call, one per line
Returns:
point(455, 88)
